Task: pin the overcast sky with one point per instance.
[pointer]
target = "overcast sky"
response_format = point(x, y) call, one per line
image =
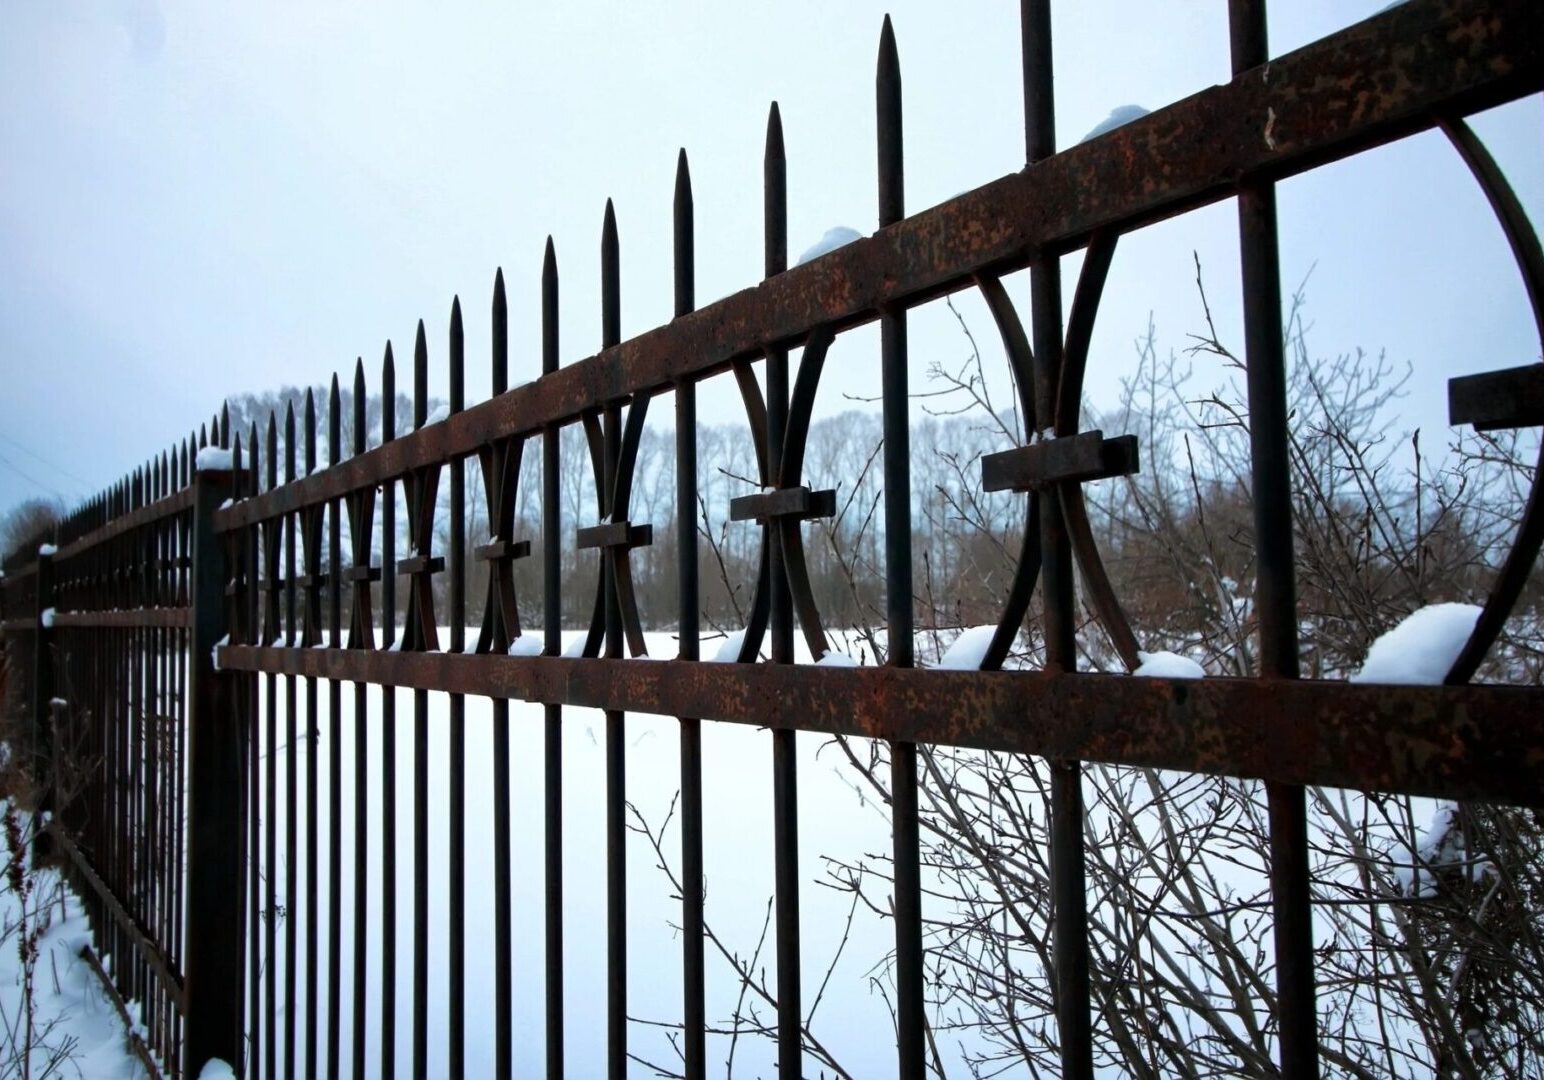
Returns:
point(198, 200)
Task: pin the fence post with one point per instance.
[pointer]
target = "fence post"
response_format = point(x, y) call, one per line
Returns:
point(212, 978)
point(40, 767)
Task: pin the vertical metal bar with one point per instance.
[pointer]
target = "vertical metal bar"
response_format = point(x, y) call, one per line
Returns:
point(1068, 890)
point(503, 927)
point(552, 630)
point(255, 1020)
point(312, 741)
point(420, 766)
point(291, 833)
point(270, 803)
point(388, 735)
point(785, 762)
point(456, 850)
point(1275, 584)
point(909, 1016)
point(774, 172)
point(334, 745)
point(694, 1033)
point(213, 961)
point(361, 779)
point(616, 744)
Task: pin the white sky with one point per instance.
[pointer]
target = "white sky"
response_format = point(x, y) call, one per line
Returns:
point(198, 200)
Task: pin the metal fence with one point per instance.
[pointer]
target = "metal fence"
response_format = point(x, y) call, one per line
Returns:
point(140, 644)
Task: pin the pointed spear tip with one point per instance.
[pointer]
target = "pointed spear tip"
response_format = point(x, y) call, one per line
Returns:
point(455, 310)
point(387, 360)
point(889, 58)
point(334, 384)
point(310, 398)
point(774, 151)
point(550, 256)
point(611, 218)
point(498, 279)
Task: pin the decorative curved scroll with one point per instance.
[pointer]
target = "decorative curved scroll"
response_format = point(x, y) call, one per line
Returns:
point(801, 404)
point(761, 599)
point(1021, 358)
point(1021, 362)
point(1080, 330)
point(781, 474)
point(1525, 246)
point(1069, 405)
point(627, 461)
point(501, 462)
point(617, 536)
point(755, 416)
point(1064, 419)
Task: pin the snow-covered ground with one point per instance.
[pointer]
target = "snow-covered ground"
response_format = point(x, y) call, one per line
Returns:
point(75, 1024)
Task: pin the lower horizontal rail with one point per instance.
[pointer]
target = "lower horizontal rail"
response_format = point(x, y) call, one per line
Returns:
point(148, 949)
point(128, 619)
point(1459, 742)
point(141, 1051)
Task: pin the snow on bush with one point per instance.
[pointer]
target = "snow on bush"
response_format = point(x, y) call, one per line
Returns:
point(1168, 665)
point(967, 651)
point(1421, 649)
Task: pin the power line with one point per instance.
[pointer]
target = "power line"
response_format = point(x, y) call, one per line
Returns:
point(25, 475)
point(40, 458)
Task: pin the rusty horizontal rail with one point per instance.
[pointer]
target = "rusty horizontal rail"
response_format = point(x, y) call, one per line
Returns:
point(1471, 742)
point(1404, 70)
point(161, 509)
point(127, 619)
point(142, 941)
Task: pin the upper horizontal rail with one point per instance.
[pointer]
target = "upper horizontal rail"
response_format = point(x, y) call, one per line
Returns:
point(169, 506)
point(1384, 78)
point(1469, 742)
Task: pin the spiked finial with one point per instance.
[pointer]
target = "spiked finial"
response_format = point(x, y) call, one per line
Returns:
point(388, 396)
point(225, 423)
point(610, 281)
point(359, 405)
point(310, 422)
point(271, 450)
point(774, 179)
point(685, 238)
point(420, 378)
point(457, 357)
point(549, 310)
point(500, 357)
point(252, 442)
point(334, 422)
point(289, 440)
point(887, 86)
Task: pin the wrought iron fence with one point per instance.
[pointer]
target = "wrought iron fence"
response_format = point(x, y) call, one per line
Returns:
point(183, 602)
